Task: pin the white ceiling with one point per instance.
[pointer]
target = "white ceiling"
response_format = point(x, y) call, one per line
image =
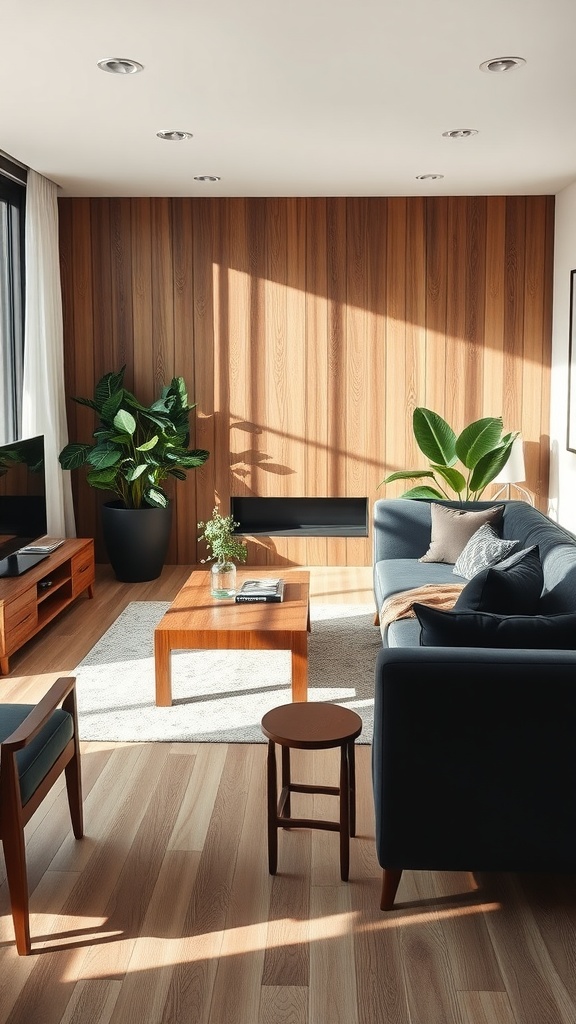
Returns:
point(291, 97)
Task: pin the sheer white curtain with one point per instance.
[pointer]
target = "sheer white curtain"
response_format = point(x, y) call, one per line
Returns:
point(43, 405)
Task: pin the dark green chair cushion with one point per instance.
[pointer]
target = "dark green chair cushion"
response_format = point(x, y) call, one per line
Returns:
point(36, 760)
point(482, 629)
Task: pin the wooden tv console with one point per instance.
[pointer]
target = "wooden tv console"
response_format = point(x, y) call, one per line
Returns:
point(30, 601)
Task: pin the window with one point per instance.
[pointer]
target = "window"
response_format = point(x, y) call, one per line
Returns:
point(12, 208)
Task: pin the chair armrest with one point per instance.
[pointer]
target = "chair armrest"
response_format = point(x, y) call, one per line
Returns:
point(40, 714)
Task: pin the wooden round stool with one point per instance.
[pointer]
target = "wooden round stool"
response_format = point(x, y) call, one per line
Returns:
point(311, 726)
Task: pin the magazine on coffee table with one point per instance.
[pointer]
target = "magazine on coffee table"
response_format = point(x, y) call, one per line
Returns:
point(266, 590)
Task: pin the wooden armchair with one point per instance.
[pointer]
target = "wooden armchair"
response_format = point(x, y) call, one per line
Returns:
point(37, 743)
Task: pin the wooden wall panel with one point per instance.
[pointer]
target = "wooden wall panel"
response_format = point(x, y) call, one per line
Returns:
point(316, 358)
point(493, 341)
point(436, 283)
point(223, 304)
point(183, 536)
point(514, 293)
point(474, 304)
point(458, 393)
point(376, 380)
point(358, 319)
point(336, 386)
point(78, 313)
point(294, 427)
point(121, 281)
point(307, 331)
point(240, 312)
point(105, 356)
point(415, 386)
point(397, 426)
point(534, 355)
point(202, 338)
point(141, 360)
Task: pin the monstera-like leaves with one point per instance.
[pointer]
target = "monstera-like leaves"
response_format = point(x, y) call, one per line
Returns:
point(135, 447)
point(481, 447)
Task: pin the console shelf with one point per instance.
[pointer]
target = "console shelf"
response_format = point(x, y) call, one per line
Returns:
point(300, 517)
point(29, 602)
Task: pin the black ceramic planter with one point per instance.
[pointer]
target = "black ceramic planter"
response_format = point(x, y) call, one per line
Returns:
point(136, 540)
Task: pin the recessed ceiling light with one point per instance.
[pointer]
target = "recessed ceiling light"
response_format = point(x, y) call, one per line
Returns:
point(459, 133)
point(171, 135)
point(206, 177)
point(428, 177)
point(120, 66)
point(499, 64)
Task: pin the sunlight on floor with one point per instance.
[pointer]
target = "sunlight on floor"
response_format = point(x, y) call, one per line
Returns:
point(157, 951)
point(392, 918)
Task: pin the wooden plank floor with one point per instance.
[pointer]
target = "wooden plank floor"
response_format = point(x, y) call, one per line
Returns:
point(165, 911)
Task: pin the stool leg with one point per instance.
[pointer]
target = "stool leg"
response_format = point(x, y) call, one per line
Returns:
point(352, 765)
point(344, 813)
point(286, 780)
point(272, 809)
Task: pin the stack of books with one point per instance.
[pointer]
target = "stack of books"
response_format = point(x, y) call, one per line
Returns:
point(261, 590)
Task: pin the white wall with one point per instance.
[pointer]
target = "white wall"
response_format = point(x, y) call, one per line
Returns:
point(563, 463)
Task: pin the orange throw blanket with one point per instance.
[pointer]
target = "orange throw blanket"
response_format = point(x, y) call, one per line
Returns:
point(400, 606)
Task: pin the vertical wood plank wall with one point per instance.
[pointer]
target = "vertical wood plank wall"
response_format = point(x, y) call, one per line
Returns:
point(307, 331)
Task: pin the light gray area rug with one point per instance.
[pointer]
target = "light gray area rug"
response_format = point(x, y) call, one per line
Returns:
point(220, 696)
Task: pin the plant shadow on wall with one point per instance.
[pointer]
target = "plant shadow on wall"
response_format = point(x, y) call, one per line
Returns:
point(481, 447)
point(135, 449)
point(241, 463)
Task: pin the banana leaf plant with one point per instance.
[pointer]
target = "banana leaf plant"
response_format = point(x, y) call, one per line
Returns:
point(135, 446)
point(482, 449)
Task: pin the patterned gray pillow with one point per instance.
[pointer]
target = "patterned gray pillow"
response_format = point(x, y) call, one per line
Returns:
point(484, 548)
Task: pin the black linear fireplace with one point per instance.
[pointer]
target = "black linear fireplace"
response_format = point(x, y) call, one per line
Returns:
point(301, 517)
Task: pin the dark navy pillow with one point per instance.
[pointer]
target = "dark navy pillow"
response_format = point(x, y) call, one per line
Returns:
point(482, 629)
point(512, 587)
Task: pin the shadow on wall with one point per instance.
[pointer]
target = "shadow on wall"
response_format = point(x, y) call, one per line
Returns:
point(554, 483)
point(538, 467)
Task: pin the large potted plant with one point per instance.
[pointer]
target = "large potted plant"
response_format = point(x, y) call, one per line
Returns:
point(482, 448)
point(135, 449)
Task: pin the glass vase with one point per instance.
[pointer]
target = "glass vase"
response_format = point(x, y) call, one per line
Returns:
point(223, 579)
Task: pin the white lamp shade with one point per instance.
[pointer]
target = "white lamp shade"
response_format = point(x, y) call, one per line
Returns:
point(514, 471)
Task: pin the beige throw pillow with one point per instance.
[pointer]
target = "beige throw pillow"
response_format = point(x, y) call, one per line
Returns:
point(452, 529)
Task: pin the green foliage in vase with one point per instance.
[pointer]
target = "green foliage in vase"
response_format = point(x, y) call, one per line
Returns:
point(482, 449)
point(218, 535)
point(136, 447)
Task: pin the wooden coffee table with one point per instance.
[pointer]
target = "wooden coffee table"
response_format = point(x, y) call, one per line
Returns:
point(198, 621)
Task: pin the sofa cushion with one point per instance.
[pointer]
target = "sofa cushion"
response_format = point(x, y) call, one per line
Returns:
point(484, 549)
point(482, 629)
point(452, 529)
point(396, 575)
point(402, 633)
point(512, 587)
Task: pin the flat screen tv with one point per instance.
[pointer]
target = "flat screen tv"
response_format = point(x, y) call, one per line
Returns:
point(22, 503)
